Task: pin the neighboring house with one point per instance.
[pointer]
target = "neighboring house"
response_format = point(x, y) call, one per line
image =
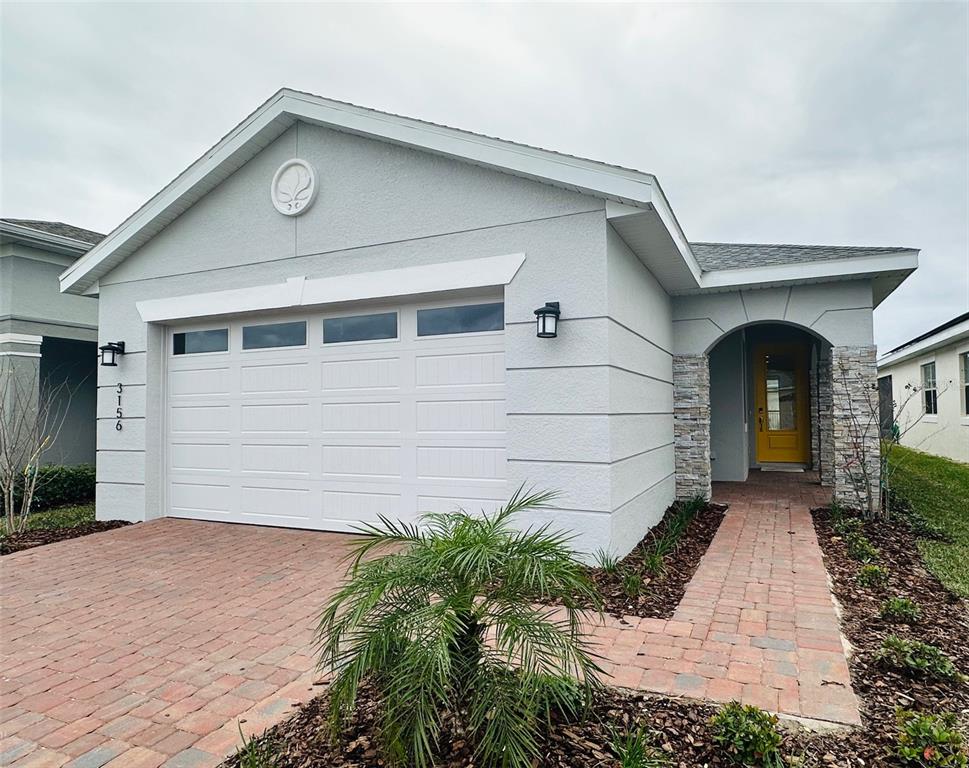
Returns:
point(330, 316)
point(936, 419)
point(47, 337)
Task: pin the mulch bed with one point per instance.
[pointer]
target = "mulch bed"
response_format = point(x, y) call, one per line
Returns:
point(660, 595)
point(680, 728)
point(944, 623)
point(41, 536)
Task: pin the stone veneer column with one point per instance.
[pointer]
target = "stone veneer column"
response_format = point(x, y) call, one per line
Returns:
point(691, 425)
point(855, 428)
point(825, 414)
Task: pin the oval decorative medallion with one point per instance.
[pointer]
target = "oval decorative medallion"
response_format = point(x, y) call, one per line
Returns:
point(293, 187)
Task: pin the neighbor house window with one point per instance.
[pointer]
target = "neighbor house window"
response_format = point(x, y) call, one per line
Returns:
point(930, 393)
point(964, 367)
point(197, 342)
point(471, 318)
point(339, 330)
point(274, 335)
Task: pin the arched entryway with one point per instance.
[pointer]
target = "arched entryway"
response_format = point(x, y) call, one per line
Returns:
point(769, 401)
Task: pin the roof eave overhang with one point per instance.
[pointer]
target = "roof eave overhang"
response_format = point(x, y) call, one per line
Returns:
point(944, 338)
point(630, 189)
point(886, 271)
point(34, 238)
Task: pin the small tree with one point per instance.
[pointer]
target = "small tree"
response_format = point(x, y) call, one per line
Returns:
point(860, 462)
point(31, 419)
point(446, 627)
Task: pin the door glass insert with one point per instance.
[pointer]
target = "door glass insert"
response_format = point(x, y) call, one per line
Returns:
point(781, 392)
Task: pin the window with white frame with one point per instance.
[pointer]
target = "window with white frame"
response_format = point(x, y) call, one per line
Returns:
point(930, 392)
point(964, 368)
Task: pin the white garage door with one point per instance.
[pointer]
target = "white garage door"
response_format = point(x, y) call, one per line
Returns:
point(328, 419)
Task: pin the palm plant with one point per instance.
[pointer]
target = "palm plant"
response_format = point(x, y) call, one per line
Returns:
point(444, 622)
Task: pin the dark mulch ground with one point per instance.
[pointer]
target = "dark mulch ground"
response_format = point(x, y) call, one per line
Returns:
point(41, 536)
point(659, 595)
point(680, 729)
point(944, 623)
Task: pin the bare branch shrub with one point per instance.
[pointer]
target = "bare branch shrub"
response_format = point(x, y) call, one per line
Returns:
point(31, 419)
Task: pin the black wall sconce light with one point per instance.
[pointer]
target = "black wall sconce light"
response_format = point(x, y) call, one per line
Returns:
point(547, 319)
point(110, 352)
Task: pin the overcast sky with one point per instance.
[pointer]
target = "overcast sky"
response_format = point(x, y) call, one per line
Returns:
point(838, 124)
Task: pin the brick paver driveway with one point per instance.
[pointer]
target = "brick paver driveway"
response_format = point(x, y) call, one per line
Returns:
point(143, 646)
point(147, 645)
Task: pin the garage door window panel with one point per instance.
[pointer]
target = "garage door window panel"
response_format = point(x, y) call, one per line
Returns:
point(360, 328)
point(200, 342)
point(469, 318)
point(274, 335)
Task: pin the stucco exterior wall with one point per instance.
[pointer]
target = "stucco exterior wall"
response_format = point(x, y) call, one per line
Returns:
point(37, 306)
point(840, 312)
point(642, 482)
point(576, 423)
point(728, 410)
point(946, 433)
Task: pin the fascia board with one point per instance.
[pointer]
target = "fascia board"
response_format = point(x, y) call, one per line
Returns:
point(944, 338)
point(864, 266)
point(303, 292)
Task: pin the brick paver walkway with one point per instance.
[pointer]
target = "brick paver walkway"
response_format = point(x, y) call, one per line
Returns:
point(145, 645)
point(757, 623)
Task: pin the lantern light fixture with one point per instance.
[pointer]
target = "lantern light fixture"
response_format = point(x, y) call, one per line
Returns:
point(110, 352)
point(547, 319)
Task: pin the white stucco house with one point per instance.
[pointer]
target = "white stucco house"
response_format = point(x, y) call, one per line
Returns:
point(331, 316)
point(936, 418)
point(48, 339)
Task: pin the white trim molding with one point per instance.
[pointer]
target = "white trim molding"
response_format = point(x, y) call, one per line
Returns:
point(942, 339)
point(303, 292)
point(20, 338)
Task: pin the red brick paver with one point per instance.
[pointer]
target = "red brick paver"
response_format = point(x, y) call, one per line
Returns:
point(758, 621)
point(145, 646)
point(148, 645)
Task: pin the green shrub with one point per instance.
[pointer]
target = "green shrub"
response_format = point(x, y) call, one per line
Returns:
point(859, 548)
point(927, 740)
point(900, 609)
point(443, 618)
point(654, 564)
point(255, 753)
point(632, 583)
point(872, 576)
point(59, 486)
point(916, 658)
point(844, 526)
point(634, 749)
point(608, 563)
point(747, 735)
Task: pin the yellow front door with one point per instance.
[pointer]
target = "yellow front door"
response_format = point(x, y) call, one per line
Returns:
point(781, 402)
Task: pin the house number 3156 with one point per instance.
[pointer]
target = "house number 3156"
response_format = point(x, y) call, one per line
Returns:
point(119, 412)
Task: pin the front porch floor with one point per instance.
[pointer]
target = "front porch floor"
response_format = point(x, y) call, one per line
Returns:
point(758, 621)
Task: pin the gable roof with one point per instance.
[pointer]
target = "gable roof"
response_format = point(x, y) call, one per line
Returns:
point(715, 256)
point(51, 236)
point(59, 228)
point(630, 192)
point(635, 205)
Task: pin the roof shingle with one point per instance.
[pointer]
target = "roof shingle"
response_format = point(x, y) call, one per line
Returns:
point(714, 256)
point(59, 228)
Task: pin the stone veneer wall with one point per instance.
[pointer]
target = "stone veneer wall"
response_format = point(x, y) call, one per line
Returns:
point(691, 425)
point(855, 428)
point(814, 415)
point(825, 416)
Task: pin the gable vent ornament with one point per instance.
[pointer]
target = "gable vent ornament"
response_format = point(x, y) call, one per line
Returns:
point(293, 188)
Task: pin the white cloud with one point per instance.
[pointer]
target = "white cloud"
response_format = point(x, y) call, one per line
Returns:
point(821, 123)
